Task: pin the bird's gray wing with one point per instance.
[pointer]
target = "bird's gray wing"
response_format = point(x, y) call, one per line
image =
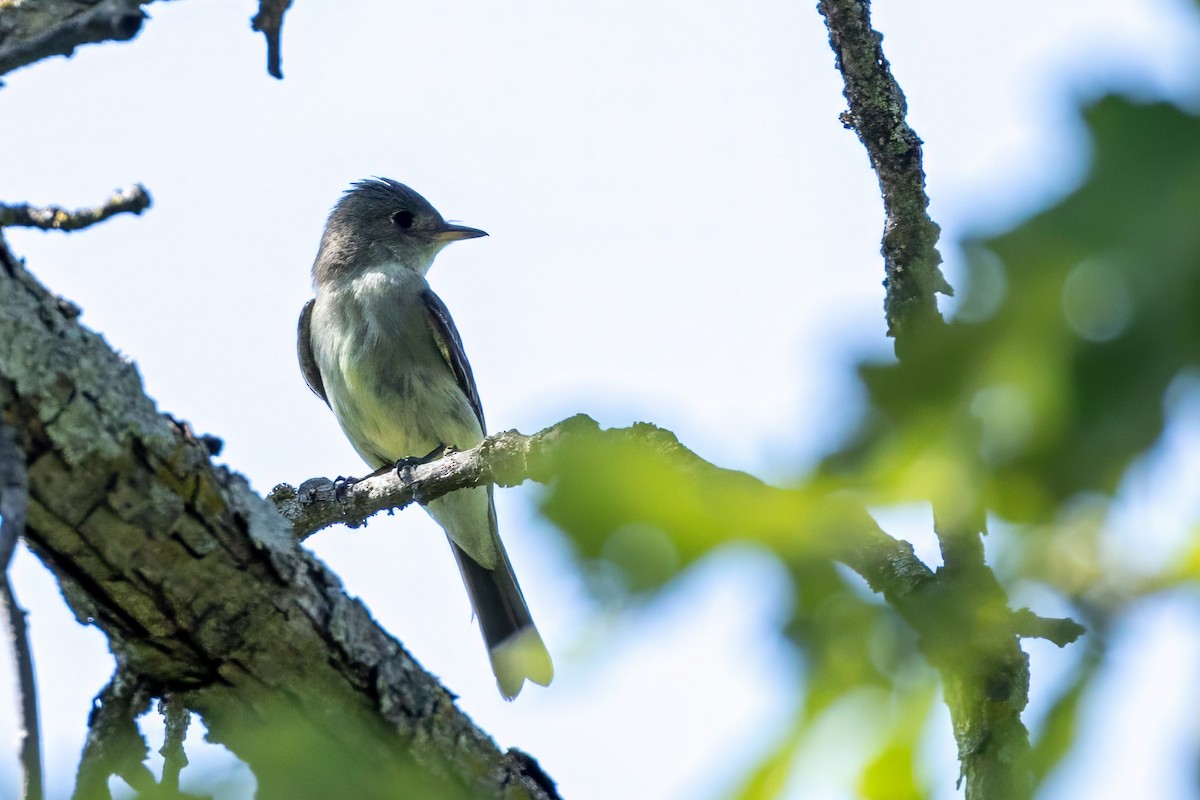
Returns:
point(449, 343)
point(308, 362)
point(514, 646)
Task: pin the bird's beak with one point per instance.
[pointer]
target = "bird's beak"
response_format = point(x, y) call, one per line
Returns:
point(452, 233)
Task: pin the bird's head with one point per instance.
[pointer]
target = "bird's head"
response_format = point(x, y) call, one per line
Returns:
point(382, 219)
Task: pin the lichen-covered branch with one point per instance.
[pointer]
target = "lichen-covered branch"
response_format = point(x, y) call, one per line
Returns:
point(130, 200)
point(505, 459)
point(204, 593)
point(32, 31)
point(876, 113)
point(967, 630)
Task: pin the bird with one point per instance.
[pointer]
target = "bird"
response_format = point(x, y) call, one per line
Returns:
point(380, 348)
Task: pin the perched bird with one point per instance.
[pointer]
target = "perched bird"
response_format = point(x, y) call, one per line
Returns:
point(379, 347)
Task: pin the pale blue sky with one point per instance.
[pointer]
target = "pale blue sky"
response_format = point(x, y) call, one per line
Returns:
point(681, 232)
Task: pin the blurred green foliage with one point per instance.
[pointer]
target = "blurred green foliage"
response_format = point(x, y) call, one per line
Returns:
point(1078, 322)
point(293, 759)
point(1032, 403)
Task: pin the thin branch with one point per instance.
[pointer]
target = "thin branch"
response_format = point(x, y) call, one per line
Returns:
point(877, 114)
point(269, 20)
point(176, 719)
point(30, 39)
point(1061, 631)
point(14, 503)
point(842, 530)
point(131, 200)
point(967, 630)
point(114, 744)
point(506, 459)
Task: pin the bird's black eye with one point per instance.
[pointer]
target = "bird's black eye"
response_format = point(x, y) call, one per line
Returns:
point(403, 219)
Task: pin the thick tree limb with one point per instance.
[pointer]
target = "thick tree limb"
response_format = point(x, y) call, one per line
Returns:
point(876, 113)
point(204, 593)
point(131, 200)
point(32, 31)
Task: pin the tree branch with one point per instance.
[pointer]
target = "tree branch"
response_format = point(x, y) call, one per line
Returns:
point(967, 630)
point(30, 32)
point(269, 20)
point(131, 200)
point(114, 745)
point(839, 529)
point(1061, 631)
point(877, 114)
point(14, 503)
point(505, 459)
point(176, 719)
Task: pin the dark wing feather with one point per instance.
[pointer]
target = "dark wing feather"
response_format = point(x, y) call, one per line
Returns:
point(308, 362)
point(450, 344)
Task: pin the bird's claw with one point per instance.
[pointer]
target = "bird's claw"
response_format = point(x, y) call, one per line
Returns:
point(411, 462)
point(405, 466)
point(341, 485)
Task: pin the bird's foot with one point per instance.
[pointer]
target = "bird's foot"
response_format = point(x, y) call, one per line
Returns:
point(341, 485)
point(410, 462)
point(405, 466)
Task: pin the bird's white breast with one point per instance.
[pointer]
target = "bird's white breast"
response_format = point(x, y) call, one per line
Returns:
point(391, 391)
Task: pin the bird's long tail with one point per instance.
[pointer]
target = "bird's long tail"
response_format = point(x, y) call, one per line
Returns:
point(514, 646)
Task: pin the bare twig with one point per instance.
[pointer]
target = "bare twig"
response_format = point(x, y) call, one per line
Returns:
point(29, 38)
point(14, 503)
point(269, 20)
point(114, 744)
point(1062, 632)
point(131, 200)
point(175, 719)
point(877, 114)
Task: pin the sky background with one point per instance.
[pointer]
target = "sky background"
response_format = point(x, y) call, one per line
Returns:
point(681, 232)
